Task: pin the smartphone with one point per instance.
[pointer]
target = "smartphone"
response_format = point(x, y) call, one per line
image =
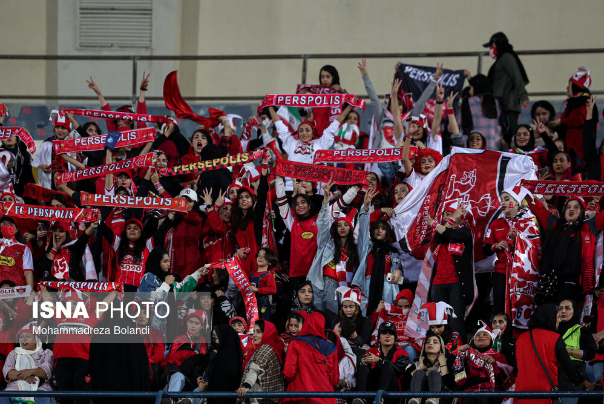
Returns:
point(42, 227)
point(543, 171)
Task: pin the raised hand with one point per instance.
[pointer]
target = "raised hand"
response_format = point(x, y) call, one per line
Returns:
point(363, 67)
point(145, 82)
point(440, 92)
point(395, 86)
point(327, 186)
point(439, 71)
point(450, 99)
point(221, 196)
point(92, 85)
point(207, 196)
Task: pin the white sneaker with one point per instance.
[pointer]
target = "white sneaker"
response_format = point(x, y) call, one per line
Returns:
point(432, 401)
point(414, 401)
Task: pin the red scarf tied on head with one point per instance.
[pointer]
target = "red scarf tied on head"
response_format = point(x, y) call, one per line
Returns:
point(271, 338)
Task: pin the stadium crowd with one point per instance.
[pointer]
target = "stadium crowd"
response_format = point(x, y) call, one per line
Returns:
point(337, 304)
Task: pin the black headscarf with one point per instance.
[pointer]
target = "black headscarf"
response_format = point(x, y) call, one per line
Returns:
point(296, 305)
point(576, 318)
point(531, 143)
point(380, 250)
point(225, 370)
point(503, 47)
point(153, 263)
point(544, 317)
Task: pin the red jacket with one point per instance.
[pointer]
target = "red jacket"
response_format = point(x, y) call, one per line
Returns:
point(574, 129)
point(247, 238)
point(184, 249)
point(311, 363)
point(498, 231)
point(531, 376)
point(155, 345)
point(217, 245)
point(182, 348)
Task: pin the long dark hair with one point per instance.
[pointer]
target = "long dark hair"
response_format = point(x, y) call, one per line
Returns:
point(575, 227)
point(387, 227)
point(137, 251)
point(239, 220)
point(89, 124)
point(545, 105)
point(308, 201)
point(353, 254)
point(334, 74)
point(59, 198)
point(270, 256)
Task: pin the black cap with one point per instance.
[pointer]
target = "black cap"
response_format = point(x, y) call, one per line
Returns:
point(388, 326)
point(497, 37)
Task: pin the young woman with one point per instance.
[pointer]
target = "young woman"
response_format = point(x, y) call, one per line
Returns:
point(382, 366)
point(481, 113)
point(181, 232)
point(378, 260)
point(263, 370)
point(131, 249)
point(543, 112)
point(303, 225)
point(350, 309)
point(63, 258)
point(453, 273)
point(21, 270)
point(580, 345)
point(483, 368)
point(21, 163)
point(293, 326)
point(433, 370)
point(524, 143)
point(217, 244)
point(46, 154)
point(29, 367)
point(247, 221)
point(476, 141)
point(426, 160)
point(263, 282)
point(514, 237)
point(574, 115)
point(504, 343)
point(543, 340)
point(336, 257)
point(311, 363)
point(567, 268)
point(303, 298)
point(439, 316)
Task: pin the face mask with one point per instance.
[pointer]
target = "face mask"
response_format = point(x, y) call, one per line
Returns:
point(266, 122)
point(8, 231)
point(493, 52)
point(406, 312)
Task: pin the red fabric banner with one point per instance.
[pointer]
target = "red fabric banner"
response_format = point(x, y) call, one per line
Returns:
point(237, 274)
point(8, 131)
point(215, 164)
point(362, 155)
point(48, 213)
point(125, 116)
point(84, 286)
point(175, 204)
point(39, 193)
point(146, 160)
point(568, 188)
point(318, 173)
point(129, 138)
point(311, 100)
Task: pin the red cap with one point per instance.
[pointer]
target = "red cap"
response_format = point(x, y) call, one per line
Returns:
point(245, 188)
point(406, 294)
point(134, 221)
point(61, 120)
point(63, 226)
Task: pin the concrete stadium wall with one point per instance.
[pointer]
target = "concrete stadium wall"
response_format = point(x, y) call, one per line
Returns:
point(288, 26)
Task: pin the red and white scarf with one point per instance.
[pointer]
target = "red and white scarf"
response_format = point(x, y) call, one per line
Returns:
point(8, 131)
point(146, 160)
point(84, 286)
point(394, 315)
point(361, 155)
point(80, 144)
point(49, 213)
point(312, 100)
point(318, 173)
point(568, 188)
point(174, 204)
point(124, 116)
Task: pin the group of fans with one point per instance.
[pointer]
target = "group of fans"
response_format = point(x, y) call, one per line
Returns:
point(333, 293)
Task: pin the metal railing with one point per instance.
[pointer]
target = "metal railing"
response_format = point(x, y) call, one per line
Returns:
point(303, 57)
point(377, 396)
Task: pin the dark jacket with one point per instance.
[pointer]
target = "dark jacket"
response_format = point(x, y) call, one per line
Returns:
point(464, 264)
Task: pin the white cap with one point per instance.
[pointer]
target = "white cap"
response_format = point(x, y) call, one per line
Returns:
point(188, 192)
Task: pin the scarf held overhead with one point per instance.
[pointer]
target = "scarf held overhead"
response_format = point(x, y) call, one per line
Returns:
point(80, 144)
point(146, 160)
point(49, 213)
point(84, 286)
point(175, 102)
point(237, 274)
point(362, 155)
point(568, 188)
point(316, 89)
point(315, 173)
point(215, 164)
point(40, 193)
point(124, 116)
point(8, 131)
point(173, 204)
point(312, 100)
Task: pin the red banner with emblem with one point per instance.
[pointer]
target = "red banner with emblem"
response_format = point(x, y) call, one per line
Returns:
point(49, 213)
point(90, 143)
point(146, 160)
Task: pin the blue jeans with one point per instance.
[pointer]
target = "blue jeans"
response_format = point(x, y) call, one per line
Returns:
point(569, 400)
point(39, 400)
point(326, 299)
point(593, 373)
point(412, 353)
point(176, 383)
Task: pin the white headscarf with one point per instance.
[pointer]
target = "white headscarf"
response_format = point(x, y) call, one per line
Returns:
point(25, 360)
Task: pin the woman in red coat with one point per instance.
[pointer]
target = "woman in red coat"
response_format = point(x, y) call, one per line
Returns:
point(311, 363)
point(552, 351)
point(181, 232)
point(217, 245)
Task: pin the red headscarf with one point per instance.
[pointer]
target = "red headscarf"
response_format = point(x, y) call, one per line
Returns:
point(271, 338)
